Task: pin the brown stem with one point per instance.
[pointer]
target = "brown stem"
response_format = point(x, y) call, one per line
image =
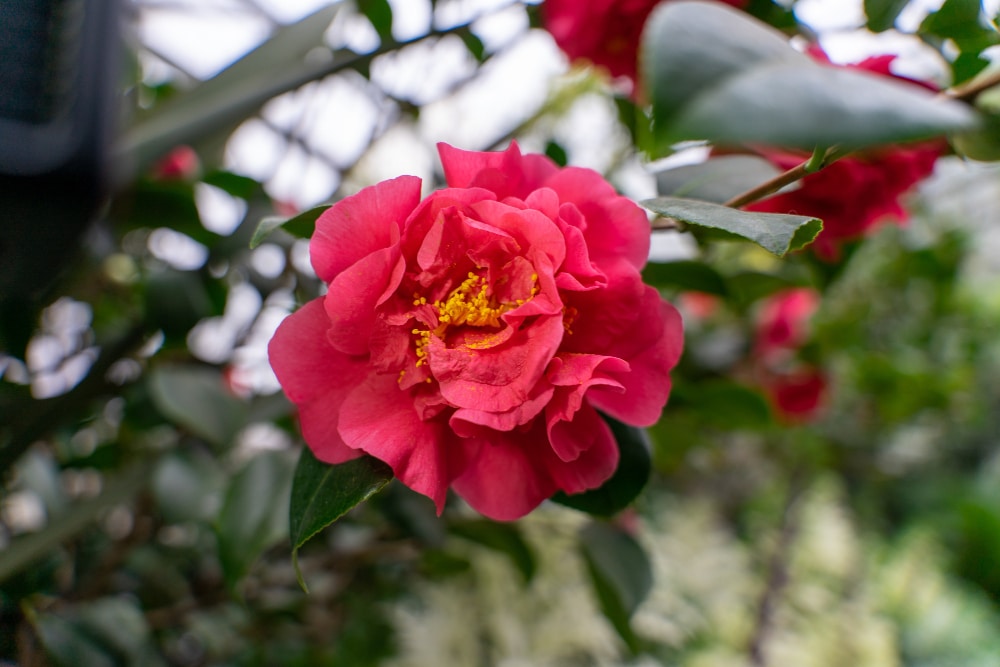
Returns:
point(769, 187)
point(777, 577)
point(967, 92)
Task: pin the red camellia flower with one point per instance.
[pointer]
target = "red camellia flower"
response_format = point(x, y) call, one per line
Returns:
point(605, 32)
point(854, 194)
point(468, 339)
point(796, 389)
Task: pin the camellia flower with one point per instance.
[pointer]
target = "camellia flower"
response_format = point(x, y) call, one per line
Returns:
point(796, 389)
point(468, 339)
point(605, 32)
point(854, 194)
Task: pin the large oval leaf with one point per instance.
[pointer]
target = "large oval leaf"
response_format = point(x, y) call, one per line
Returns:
point(777, 233)
point(809, 105)
point(620, 572)
point(254, 513)
point(195, 398)
point(322, 493)
point(301, 225)
point(691, 46)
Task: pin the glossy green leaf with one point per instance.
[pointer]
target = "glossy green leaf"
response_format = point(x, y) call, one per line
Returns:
point(811, 105)
point(195, 398)
point(627, 481)
point(301, 225)
point(689, 47)
point(237, 185)
point(716, 180)
point(379, 12)
point(620, 572)
point(717, 74)
point(882, 13)
point(503, 537)
point(959, 21)
point(777, 233)
point(254, 514)
point(685, 275)
point(322, 493)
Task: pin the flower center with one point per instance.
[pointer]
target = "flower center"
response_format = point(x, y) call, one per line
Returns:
point(469, 304)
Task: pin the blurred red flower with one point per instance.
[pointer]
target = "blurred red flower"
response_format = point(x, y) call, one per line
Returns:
point(854, 194)
point(796, 389)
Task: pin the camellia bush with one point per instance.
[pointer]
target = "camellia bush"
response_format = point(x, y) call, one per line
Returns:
point(724, 395)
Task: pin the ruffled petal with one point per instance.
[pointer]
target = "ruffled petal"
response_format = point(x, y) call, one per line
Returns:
point(354, 295)
point(496, 378)
point(596, 452)
point(647, 385)
point(381, 420)
point(361, 224)
point(508, 476)
point(316, 377)
point(616, 228)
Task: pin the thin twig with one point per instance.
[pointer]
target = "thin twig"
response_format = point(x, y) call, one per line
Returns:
point(778, 575)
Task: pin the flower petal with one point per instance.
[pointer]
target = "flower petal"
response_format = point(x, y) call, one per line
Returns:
point(381, 420)
point(361, 224)
point(496, 378)
point(596, 451)
point(354, 295)
point(507, 477)
point(315, 376)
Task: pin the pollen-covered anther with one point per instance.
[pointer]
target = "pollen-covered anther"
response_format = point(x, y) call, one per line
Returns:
point(423, 339)
point(569, 316)
point(472, 304)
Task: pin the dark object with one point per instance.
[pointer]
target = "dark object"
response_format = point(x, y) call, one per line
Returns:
point(58, 78)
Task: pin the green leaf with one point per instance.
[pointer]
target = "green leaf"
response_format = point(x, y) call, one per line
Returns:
point(175, 301)
point(620, 572)
point(107, 631)
point(689, 47)
point(958, 20)
point(195, 398)
point(301, 225)
point(254, 514)
point(183, 486)
point(29, 549)
point(777, 233)
point(379, 12)
point(685, 275)
point(749, 286)
point(503, 537)
point(882, 13)
point(625, 484)
point(724, 404)
point(819, 106)
point(474, 45)
point(717, 180)
point(322, 493)
point(237, 185)
point(276, 66)
point(717, 74)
